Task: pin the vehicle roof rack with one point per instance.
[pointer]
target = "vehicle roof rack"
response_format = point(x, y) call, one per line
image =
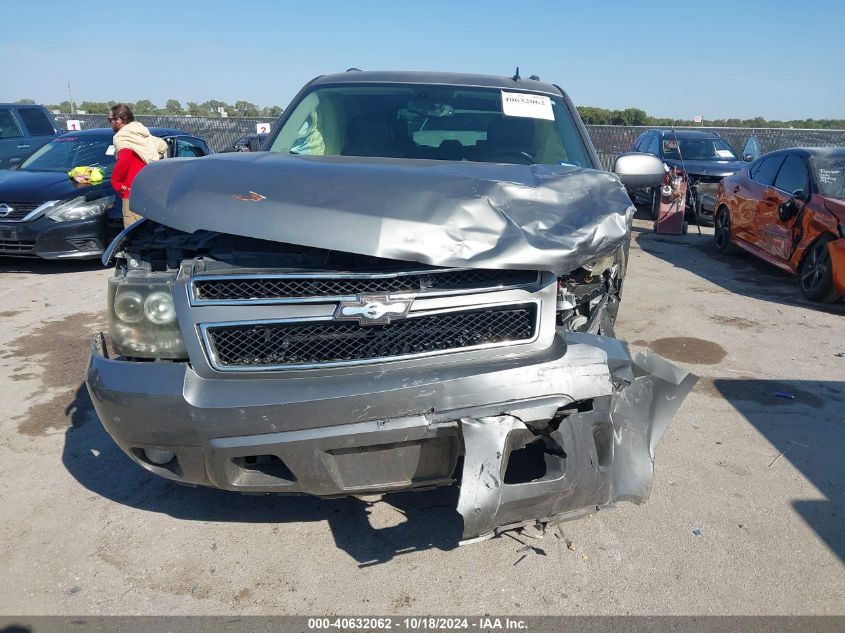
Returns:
point(535, 77)
point(353, 70)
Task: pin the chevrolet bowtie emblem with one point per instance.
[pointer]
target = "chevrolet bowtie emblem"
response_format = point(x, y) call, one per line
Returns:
point(5, 210)
point(372, 310)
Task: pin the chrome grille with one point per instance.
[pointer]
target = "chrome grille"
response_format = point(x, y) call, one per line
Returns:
point(19, 210)
point(302, 287)
point(301, 344)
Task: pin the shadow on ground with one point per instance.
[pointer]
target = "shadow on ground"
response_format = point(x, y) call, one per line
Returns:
point(94, 460)
point(741, 274)
point(804, 422)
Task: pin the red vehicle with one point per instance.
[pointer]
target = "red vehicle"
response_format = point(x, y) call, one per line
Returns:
point(788, 208)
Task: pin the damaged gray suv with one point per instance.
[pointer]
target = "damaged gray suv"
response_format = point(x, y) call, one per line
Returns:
point(415, 286)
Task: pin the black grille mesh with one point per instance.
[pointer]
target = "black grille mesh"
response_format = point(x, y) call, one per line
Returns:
point(19, 210)
point(16, 246)
point(331, 341)
point(257, 288)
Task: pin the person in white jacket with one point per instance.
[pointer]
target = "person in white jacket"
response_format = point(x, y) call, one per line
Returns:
point(135, 148)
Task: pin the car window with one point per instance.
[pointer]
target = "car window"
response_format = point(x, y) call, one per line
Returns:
point(764, 172)
point(185, 148)
point(66, 152)
point(36, 122)
point(640, 144)
point(9, 127)
point(653, 146)
point(830, 174)
point(433, 122)
point(793, 175)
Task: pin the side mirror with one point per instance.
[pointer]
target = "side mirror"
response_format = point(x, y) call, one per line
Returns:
point(638, 171)
point(254, 144)
point(14, 163)
point(801, 195)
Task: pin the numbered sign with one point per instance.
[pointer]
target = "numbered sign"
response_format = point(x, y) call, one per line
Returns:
point(73, 124)
point(262, 128)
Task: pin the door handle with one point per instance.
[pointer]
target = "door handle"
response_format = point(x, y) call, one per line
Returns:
point(23, 146)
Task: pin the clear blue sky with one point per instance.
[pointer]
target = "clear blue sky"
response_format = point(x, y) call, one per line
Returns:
point(781, 59)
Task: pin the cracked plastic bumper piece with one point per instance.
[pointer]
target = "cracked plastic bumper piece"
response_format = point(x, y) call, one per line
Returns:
point(594, 452)
point(542, 438)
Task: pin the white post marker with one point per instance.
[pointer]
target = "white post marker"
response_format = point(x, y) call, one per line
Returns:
point(262, 128)
point(698, 118)
point(74, 125)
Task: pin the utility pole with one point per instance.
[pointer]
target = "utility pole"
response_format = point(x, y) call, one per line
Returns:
point(70, 98)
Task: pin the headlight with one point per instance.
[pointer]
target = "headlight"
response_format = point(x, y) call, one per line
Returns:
point(142, 317)
point(79, 208)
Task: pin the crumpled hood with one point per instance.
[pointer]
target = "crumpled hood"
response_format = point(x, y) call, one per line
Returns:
point(460, 214)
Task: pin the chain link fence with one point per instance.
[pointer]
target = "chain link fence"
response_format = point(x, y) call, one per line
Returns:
point(609, 140)
point(612, 140)
point(219, 133)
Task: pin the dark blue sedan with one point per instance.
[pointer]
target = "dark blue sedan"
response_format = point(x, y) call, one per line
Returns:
point(43, 213)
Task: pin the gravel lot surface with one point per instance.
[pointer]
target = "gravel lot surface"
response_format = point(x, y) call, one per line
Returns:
point(85, 531)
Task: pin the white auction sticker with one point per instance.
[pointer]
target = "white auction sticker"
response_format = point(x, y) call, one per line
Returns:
point(527, 105)
point(262, 128)
point(74, 125)
point(110, 150)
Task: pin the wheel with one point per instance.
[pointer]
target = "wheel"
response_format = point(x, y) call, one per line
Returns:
point(816, 273)
point(655, 203)
point(722, 234)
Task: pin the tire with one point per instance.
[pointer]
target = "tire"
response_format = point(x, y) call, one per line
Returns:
point(816, 273)
point(655, 203)
point(722, 234)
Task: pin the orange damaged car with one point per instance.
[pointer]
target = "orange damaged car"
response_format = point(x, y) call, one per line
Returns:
point(788, 208)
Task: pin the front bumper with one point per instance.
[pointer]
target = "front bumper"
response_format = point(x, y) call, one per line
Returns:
point(44, 238)
point(549, 436)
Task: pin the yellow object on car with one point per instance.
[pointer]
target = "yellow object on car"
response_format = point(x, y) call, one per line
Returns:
point(86, 175)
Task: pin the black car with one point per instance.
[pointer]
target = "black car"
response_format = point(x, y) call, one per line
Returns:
point(43, 213)
point(705, 157)
point(246, 143)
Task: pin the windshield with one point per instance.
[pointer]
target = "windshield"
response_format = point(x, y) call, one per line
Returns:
point(64, 153)
point(433, 122)
point(698, 149)
point(830, 174)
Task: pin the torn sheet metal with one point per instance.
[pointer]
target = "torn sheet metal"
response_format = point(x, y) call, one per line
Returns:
point(455, 214)
point(607, 448)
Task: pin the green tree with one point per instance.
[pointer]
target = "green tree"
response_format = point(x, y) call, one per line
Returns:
point(144, 106)
point(173, 107)
point(273, 112)
point(94, 107)
point(63, 107)
point(245, 108)
point(211, 107)
point(25, 101)
point(194, 109)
